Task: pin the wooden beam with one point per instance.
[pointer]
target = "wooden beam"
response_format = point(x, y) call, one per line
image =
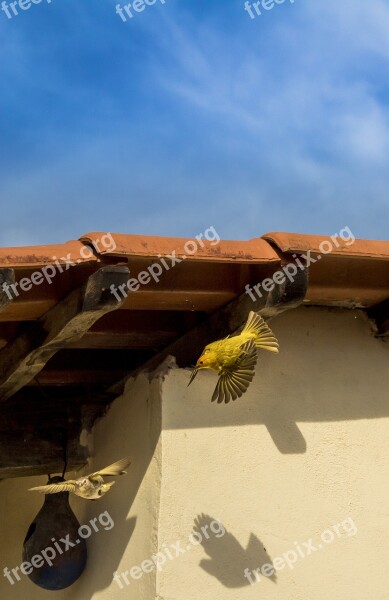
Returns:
point(38, 428)
point(23, 358)
point(77, 377)
point(7, 279)
point(380, 314)
point(25, 454)
point(51, 413)
point(194, 286)
point(74, 367)
point(228, 319)
point(137, 329)
point(117, 340)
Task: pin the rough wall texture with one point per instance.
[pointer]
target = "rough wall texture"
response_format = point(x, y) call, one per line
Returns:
point(131, 427)
point(303, 451)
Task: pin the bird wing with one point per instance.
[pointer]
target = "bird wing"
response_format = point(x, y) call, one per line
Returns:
point(55, 488)
point(117, 468)
point(233, 383)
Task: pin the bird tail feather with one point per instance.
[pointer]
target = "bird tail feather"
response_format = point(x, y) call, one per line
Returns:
point(264, 337)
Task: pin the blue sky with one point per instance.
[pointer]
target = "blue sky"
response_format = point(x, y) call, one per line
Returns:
point(192, 114)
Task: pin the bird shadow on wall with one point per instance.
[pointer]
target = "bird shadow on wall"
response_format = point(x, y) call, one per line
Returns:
point(228, 560)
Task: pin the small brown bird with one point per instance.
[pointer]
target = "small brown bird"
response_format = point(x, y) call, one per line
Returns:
point(90, 487)
point(234, 358)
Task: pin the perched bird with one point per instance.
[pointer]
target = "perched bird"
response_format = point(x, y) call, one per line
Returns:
point(90, 487)
point(234, 358)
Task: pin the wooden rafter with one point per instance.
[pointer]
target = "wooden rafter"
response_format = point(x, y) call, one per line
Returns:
point(23, 358)
point(38, 429)
point(7, 279)
point(25, 454)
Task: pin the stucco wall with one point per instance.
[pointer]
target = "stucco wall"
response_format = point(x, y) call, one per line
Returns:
point(273, 482)
point(305, 449)
point(131, 427)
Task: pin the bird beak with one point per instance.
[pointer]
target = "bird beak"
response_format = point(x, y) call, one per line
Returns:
point(199, 365)
point(193, 375)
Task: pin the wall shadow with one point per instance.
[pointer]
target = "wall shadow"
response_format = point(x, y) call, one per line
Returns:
point(330, 368)
point(228, 560)
point(107, 549)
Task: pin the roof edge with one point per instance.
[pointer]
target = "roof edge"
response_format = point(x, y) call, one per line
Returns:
point(203, 247)
point(342, 244)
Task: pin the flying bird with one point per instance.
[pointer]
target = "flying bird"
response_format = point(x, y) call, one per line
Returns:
point(90, 487)
point(234, 358)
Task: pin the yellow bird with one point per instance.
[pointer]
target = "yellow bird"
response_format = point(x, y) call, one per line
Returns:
point(234, 358)
point(90, 487)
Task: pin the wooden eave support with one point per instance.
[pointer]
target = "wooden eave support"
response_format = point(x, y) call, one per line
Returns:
point(25, 356)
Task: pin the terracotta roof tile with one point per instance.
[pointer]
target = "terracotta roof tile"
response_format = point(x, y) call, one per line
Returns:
point(342, 273)
point(297, 242)
point(39, 256)
point(354, 274)
point(255, 250)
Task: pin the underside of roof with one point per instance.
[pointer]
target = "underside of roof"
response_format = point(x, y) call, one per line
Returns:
point(77, 319)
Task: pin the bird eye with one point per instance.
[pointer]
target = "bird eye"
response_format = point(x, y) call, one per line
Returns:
point(201, 362)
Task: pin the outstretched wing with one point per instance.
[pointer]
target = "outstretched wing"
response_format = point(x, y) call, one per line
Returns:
point(233, 383)
point(117, 468)
point(55, 488)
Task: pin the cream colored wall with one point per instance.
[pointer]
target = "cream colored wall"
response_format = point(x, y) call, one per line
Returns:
point(273, 482)
point(131, 427)
point(18, 508)
point(303, 450)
